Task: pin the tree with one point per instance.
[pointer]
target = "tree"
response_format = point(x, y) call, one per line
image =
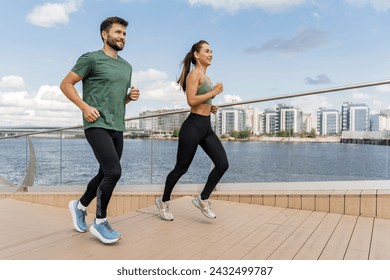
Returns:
point(313, 133)
point(175, 132)
point(233, 134)
point(240, 134)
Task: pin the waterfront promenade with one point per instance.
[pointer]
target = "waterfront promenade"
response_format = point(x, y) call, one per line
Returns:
point(254, 225)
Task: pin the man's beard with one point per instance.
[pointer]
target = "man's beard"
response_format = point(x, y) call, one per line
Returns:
point(113, 44)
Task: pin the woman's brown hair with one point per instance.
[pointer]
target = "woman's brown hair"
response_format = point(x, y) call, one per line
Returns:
point(186, 63)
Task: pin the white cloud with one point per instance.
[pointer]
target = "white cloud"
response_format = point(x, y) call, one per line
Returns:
point(379, 5)
point(149, 75)
point(47, 107)
point(155, 86)
point(133, 1)
point(12, 82)
point(306, 39)
point(50, 107)
point(231, 98)
point(235, 5)
point(383, 88)
point(360, 96)
point(53, 14)
point(318, 80)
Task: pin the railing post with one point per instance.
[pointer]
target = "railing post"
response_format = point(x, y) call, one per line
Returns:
point(61, 134)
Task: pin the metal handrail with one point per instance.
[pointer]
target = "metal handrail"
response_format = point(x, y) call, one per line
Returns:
point(294, 95)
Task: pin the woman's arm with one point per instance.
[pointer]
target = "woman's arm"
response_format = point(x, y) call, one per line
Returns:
point(194, 79)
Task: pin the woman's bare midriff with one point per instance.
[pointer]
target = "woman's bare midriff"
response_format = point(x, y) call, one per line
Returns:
point(201, 109)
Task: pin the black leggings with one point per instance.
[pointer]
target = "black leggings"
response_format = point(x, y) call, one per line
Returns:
point(107, 146)
point(196, 130)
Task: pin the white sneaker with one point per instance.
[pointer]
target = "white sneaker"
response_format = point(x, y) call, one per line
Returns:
point(164, 209)
point(204, 206)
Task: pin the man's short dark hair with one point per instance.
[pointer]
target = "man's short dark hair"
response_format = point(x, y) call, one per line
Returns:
point(108, 22)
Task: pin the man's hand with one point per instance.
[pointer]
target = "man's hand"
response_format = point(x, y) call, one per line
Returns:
point(91, 114)
point(134, 94)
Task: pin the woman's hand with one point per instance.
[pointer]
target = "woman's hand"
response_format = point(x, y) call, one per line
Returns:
point(218, 88)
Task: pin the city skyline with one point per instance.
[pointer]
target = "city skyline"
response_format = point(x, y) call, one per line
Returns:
point(243, 117)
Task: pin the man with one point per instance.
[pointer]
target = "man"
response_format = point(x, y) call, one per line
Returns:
point(106, 80)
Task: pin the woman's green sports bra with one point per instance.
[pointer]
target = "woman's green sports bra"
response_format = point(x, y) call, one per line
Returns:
point(205, 88)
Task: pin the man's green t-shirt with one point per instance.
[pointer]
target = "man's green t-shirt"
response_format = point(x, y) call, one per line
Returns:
point(106, 82)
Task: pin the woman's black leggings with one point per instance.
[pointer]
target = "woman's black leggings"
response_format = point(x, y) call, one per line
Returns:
point(107, 146)
point(196, 130)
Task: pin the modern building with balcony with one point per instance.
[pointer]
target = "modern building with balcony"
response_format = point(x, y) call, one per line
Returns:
point(290, 119)
point(355, 117)
point(231, 119)
point(328, 121)
point(270, 121)
point(164, 124)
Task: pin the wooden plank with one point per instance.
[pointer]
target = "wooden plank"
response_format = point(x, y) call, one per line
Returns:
point(317, 241)
point(295, 201)
point(281, 201)
point(137, 234)
point(383, 204)
point(247, 243)
point(196, 240)
point(359, 245)
point(322, 201)
point(241, 231)
point(295, 241)
point(269, 200)
point(380, 245)
point(368, 203)
point(257, 199)
point(337, 245)
point(337, 202)
point(245, 199)
point(308, 202)
point(267, 247)
point(225, 243)
point(234, 198)
point(352, 202)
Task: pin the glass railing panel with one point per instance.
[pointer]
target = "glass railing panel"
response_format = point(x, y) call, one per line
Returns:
point(164, 159)
point(136, 162)
point(63, 159)
point(78, 164)
point(13, 160)
point(317, 161)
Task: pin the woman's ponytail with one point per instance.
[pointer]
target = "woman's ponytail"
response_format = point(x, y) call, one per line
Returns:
point(186, 63)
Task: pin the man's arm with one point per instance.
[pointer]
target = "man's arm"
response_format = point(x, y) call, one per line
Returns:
point(68, 88)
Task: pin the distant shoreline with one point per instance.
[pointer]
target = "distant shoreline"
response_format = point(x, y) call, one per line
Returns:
point(325, 139)
point(319, 139)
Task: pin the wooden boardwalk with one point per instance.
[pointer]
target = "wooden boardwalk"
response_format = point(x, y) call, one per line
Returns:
point(241, 231)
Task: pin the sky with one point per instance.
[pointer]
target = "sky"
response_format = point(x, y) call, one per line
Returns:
point(261, 48)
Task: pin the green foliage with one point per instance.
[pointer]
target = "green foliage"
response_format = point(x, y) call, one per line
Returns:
point(240, 134)
point(312, 134)
point(285, 133)
point(175, 132)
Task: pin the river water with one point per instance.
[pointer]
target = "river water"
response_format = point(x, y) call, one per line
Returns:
point(71, 162)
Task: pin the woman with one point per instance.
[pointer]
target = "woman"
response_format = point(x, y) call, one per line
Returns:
point(196, 130)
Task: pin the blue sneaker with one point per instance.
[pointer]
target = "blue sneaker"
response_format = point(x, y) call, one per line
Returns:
point(105, 232)
point(78, 216)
